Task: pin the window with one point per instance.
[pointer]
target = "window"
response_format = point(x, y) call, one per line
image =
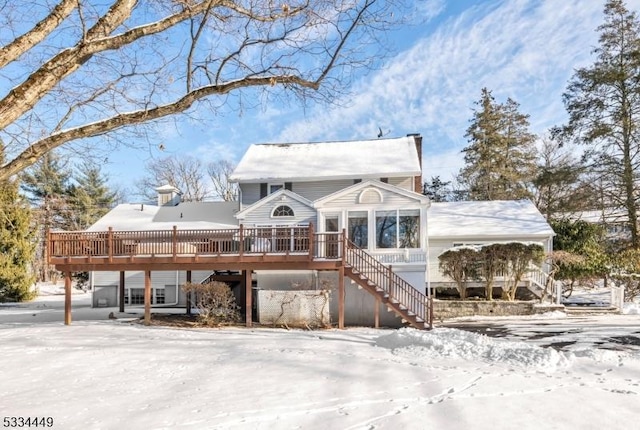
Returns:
point(137, 296)
point(282, 211)
point(386, 229)
point(275, 187)
point(159, 293)
point(398, 229)
point(409, 228)
point(359, 228)
point(165, 198)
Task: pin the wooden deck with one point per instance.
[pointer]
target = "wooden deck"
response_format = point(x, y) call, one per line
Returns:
point(242, 249)
point(282, 248)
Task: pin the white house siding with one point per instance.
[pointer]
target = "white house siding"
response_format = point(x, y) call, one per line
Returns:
point(390, 200)
point(250, 193)
point(438, 245)
point(105, 285)
point(413, 274)
point(317, 189)
point(404, 183)
point(312, 190)
point(262, 215)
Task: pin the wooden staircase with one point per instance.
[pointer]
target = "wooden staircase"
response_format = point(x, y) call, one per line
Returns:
point(379, 280)
point(544, 288)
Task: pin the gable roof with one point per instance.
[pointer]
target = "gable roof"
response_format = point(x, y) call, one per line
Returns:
point(279, 196)
point(368, 184)
point(188, 215)
point(497, 218)
point(329, 160)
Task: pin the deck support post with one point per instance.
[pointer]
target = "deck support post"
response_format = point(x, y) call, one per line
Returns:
point(376, 313)
point(312, 253)
point(341, 297)
point(121, 291)
point(67, 298)
point(147, 297)
point(246, 280)
point(188, 305)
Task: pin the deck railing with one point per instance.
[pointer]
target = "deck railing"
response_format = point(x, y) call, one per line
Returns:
point(151, 243)
point(383, 277)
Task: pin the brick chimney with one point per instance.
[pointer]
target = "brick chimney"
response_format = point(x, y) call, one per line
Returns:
point(417, 185)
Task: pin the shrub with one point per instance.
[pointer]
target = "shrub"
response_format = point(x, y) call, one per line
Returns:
point(625, 270)
point(518, 258)
point(215, 302)
point(461, 265)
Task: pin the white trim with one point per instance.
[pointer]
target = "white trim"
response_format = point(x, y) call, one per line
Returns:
point(418, 198)
point(282, 194)
point(279, 205)
point(280, 186)
point(366, 191)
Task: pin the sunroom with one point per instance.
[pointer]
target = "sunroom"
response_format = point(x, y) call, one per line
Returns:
point(387, 221)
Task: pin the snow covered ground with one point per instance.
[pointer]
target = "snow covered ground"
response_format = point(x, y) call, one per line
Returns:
point(114, 374)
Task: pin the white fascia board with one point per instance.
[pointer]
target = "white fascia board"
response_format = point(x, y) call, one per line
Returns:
point(257, 180)
point(372, 183)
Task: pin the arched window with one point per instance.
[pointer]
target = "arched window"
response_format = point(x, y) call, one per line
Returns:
point(282, 210)
point(370, 195)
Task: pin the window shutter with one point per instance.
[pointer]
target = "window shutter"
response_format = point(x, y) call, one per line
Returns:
point(288, 186)
point(264, 190)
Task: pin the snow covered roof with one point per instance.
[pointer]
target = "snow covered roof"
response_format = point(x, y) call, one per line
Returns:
point(167, 187)
point(498, 218)
point(190, 215)
point(335, 160)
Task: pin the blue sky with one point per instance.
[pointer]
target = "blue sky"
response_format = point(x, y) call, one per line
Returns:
point(523, 49)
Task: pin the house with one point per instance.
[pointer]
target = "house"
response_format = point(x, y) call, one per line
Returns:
point(344, 218)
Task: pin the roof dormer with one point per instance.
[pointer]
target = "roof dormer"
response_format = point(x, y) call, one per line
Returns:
point(168, 195)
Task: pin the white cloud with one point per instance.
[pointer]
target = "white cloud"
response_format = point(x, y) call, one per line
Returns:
point(523, 49)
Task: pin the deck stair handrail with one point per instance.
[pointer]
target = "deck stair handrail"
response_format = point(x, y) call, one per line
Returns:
point(543, 285)
point(397, 294)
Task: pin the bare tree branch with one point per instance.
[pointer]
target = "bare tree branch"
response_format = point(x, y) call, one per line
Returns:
point(112, 68)
point(22, 44)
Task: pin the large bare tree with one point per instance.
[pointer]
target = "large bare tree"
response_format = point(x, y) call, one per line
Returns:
point(73, 70)
point(184, 172)
point(219, 173)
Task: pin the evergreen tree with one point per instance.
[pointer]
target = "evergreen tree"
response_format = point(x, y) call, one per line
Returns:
point(603, 102)
point(437, 190)
point(17, 247)
point(500, 160)
point(89, 199)
point(46, 186)
point(560, 186)
point(583, 239)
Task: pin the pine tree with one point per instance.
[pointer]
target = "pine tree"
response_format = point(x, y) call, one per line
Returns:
point(500, 160)
point(603, 102)
point(46, 186)
point(89, 199)
point(437, 190)
point(17, 248)
point(560, 186)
